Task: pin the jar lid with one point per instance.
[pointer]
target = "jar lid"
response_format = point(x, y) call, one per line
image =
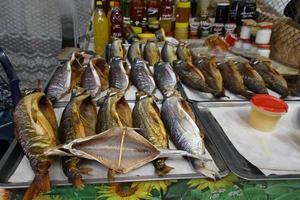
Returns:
point(117, 4)
point(137, 29)
point(269, 103)
point(223, 4)
point(99, 3)
point(181, 25)
point(264, 46)
point(267, 25)
point(184, 4)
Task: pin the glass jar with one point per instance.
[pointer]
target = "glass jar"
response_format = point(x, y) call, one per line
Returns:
point(183, 10)
point(263, 34)
point(181, 31)
point(264, 50)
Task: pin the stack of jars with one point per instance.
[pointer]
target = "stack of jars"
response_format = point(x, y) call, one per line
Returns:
point(182, 15)
point(255, 37)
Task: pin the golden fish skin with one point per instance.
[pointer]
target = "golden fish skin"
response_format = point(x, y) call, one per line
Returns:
point(272, 78)
point(78, 121)
point(151, 53)
point(184, 53)
point(252, 80)
point(233, 80)
point(146, 117)
point(134, 51)
point(103, 71)
point(212, 75)
point(117, 49)
point(191, 76)
point(168, 53)
point(36, 130)
point(76, 63)
point(114, 112)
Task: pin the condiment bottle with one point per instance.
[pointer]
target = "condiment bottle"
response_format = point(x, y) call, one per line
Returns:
point(137, 12)
point(183, 10)
point(116, 19)
point(125, 7)
point(111, 5)
point(235, 10)
point(153, 15)
point(106, 6)
point(263, 34)
point(264, 50)
point(181, 31)
point(166, 14)
point(100, 26)
point(222, 12)
point(248, 10)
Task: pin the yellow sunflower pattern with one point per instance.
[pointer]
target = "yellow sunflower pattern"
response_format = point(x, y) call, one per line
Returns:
point(157, 185)
point(123, 191)
point(214, 185)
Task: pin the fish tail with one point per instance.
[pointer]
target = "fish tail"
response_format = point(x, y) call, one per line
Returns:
point(76, 180)
point(40, 184)
point(161, 168)
point(208, 169)
point(247, 94)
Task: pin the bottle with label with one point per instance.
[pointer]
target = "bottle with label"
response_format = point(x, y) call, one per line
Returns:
point(111, 5)
point(137, 12)
point(106, 6)
point(183, 11)
point(116, 19)
point(125, 7)
point(166, 14)
point(248, 10)
point(100, 26)
point(153, 15)
point(235, 11)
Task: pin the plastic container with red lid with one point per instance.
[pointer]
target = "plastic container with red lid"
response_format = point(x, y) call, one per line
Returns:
point(266, 111)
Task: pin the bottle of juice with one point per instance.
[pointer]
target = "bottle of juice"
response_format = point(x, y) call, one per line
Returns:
point(100, 25)
point(111, 6)
point(167, 15)
point(116, 19)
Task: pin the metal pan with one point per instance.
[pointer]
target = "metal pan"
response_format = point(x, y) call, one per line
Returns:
point(14, 160)
point(234, 160)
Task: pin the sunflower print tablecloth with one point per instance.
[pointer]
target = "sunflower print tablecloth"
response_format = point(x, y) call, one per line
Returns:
point(229, 188)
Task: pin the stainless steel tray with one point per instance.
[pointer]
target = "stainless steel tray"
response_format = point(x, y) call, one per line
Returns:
point(15, 165)
point(234, 160)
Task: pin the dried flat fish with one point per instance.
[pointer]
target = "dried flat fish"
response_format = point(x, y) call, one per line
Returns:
point(78, 121)
point(36, 130)
point(146, 117)
point(119, 149)
point(114, 112)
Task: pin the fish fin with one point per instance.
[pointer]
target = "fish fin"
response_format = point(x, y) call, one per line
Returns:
point(77, 181)
point(247, 94)
point(40, 184)
point(85, 170)
point(163, 170)
point(111, 174)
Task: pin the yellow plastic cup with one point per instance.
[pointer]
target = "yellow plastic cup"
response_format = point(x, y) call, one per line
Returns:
point(266, 111)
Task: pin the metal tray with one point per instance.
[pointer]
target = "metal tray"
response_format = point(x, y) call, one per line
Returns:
point(15, 156)
point(197, 96)
point(234, 160)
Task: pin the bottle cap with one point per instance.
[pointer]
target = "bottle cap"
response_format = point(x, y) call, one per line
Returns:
point(184, 4)
point(269, 103)
point(117, 4)
point(111, 3)
point(99, 3)
point(181, 25)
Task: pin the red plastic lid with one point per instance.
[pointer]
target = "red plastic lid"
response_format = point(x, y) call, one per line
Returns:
point(116, 4)
point(269, 103)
